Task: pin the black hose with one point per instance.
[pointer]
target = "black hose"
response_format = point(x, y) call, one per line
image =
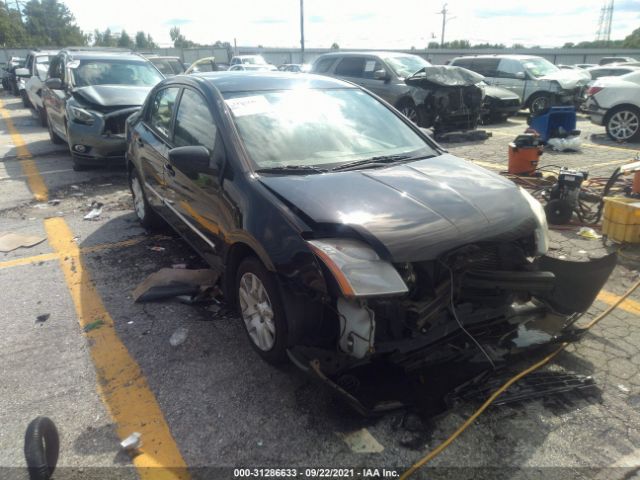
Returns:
point(612, 179)
point(41, 448)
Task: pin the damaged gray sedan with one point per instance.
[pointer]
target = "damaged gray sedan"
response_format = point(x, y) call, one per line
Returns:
point(345, 234)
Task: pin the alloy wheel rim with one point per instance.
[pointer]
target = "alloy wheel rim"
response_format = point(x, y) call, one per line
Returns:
point(539, 104)
point(410, 113)
point(138, 199)
point(257, 311)
point(624, 125)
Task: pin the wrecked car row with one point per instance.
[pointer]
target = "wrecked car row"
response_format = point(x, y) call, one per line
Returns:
point(344, 234)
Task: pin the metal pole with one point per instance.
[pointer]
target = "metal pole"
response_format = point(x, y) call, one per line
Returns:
point(444, 22)
point(301, 31)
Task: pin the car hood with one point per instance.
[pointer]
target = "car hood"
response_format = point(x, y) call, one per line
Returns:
point(568, 79)
point(113, 95)
point(499, 92)
point(413, 211)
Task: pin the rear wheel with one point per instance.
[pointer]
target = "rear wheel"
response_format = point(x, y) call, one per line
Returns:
point(623, 124)
point(261, 310)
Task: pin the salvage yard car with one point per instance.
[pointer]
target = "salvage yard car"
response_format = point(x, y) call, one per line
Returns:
point(615, 103)
point(345, 234)
point(539, 83)
point(87, 98)
point(37, 68)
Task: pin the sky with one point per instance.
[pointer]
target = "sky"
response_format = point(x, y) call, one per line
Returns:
point(398, 24)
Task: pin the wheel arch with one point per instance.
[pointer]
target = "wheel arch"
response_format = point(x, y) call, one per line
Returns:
point(235, 254)
point(620, 106)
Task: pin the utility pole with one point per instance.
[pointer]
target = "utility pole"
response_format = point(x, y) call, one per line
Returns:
point(301, 31)
point(444, 22)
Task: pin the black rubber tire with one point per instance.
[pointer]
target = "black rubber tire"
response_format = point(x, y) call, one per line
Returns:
point(405, 106)
point(615, 110)
point(25, 99)
point(278, 353)
point(41, 448)
point(42, 115)
point(537, 97)
point(151, 220)
point(53, 136)
point(559, 212)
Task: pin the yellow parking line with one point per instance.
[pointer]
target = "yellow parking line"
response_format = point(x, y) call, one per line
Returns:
point(45, 257)
point(121, 383)
point(609, 298)
point(34, 179)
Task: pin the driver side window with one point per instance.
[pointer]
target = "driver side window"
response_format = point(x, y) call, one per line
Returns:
point(161, 111)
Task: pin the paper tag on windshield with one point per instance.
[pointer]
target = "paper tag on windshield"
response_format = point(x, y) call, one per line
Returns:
point(253, 105)
point(73, 64)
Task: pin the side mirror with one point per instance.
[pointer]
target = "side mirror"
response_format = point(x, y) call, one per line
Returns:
point(381, 75)
point(520, 75)
point(53, 83)
point(193, 161)
point(23, 72)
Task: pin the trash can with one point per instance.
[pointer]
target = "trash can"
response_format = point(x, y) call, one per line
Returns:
point(550, 123)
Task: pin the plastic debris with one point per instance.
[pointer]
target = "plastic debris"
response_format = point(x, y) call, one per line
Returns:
point(93, 325)
point(590, 233)
point(132, 442)
point(569, 144)
point(157, 249)
point(75, 187)
point(624, 389)
point(96, 211)
point(12, 241)
point(181, 266)
point(179, 336)
point(171, 282)
point(43, 318)
point(54, 201)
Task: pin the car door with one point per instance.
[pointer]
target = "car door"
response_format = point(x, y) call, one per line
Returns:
point(351, 68)
point(510, 74)
point(196, 193)
point(151, 144)
point(382, 87)
point(55, 100)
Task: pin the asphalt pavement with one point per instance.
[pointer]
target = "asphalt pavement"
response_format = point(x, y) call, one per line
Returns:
point(77, 349)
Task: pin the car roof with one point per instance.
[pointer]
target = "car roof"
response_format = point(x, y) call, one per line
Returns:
point(40, 53)
point(379, 53)
point(613, 67)
point(103, 54)
point(248, 81)
point(500, 55)
point(165, 57)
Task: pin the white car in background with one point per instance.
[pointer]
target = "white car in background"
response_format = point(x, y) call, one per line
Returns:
point(615, 103)
point(34, 74)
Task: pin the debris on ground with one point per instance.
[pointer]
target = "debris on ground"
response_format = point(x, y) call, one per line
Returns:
point(93, 325)
point(13, 241)
point(590, 233)
point(361, 441)
point(569, 144)
point(172, 282)
point(42, 318)
point(179, 265)
point(179, 336)
point(54, 201)
point(96, 211)
point(463, 136)
point(132, 442)
point(157, 249)
point(624, 389)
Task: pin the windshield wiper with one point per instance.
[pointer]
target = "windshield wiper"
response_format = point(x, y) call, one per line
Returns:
point(374, 161)
point(294, 169)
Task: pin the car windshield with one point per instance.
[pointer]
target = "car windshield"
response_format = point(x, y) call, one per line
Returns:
point(319, 127)
point(114, 72)
point(539, 67)
point(406, 65)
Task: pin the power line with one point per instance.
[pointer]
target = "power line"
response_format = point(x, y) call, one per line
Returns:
point(444, 13)
point(604, 24)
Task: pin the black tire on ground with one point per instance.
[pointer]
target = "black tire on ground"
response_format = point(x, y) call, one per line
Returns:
point(148, 217)
point(539, 102)
point(25, 99)
point(277, 354)
point(623, 123)
point(42, 115)
point(53, 136)
point(41, 448)
point(559, 212)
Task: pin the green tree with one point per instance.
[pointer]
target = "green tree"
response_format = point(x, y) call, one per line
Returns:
point(335, 46)
point(12, 31)
point(104, 39)
point(144, 41)
point(433, 45)
point(518, 46)
point(179, 40)
point(125, 40)
point(49, 22)
point(632, 40)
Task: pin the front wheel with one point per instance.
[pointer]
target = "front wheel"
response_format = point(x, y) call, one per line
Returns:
point(53, 136)
point(261, 309)
point(408, 109)
point(147, 217)
point(540, 103)
point(623, 124)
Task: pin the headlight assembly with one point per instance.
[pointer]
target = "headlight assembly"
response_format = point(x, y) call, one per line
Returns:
point(80, 115)
point(357, 269)
point(542, 229)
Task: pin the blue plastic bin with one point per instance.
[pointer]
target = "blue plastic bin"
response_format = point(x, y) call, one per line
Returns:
point(552, 120)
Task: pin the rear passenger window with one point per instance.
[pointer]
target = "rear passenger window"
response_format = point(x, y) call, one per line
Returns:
point(508, 68)
point(323, 65)
point(351, 67)
point(485, 66)
point(464, 63)
point(161, 110)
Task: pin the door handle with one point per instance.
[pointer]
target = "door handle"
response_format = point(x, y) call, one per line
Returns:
point(169, 168)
